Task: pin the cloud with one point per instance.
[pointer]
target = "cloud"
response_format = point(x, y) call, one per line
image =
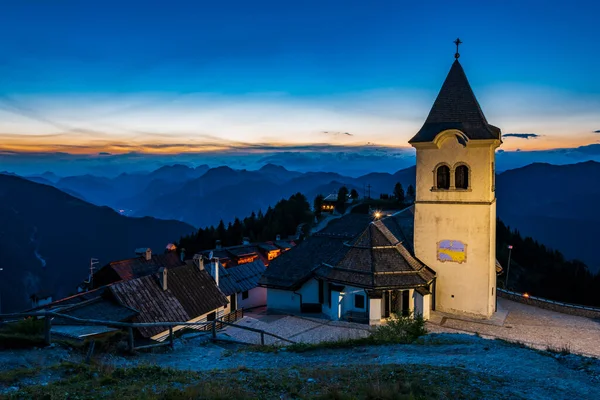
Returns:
point(597, 131)
point(336, 133)
point(522, 135)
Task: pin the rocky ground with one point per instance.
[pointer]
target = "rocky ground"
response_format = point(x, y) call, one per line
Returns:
point(517, 371)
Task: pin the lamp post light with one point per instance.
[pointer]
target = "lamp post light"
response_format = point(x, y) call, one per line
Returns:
point(510, 247)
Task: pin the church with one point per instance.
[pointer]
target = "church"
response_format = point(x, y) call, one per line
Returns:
point(438, 254)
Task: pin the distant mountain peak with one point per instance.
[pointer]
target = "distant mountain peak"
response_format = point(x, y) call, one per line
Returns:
point(272, 168)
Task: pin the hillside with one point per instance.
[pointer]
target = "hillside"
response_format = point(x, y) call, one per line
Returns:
point(47, 238)
point(556, 205)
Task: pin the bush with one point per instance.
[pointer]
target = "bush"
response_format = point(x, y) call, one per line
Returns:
point(400, 329)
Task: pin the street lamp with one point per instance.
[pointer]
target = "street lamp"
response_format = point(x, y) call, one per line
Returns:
point(507, 267)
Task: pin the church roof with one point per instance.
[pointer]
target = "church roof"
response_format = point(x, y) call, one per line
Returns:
point(456, 107)
point(376, 259)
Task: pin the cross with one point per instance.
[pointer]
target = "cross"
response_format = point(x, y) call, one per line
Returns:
point(457, 42)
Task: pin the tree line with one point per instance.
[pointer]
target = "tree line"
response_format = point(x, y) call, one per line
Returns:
point(282, 219)
point(544, 272)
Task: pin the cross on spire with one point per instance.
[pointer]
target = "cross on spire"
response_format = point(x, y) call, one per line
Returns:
point(457, 42)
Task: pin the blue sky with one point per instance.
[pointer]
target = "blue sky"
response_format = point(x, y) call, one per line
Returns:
point(235, 79)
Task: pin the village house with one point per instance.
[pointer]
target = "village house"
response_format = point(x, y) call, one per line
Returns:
point(438, 254)
point(185, 293)
point(249, 252)
point(238, 282)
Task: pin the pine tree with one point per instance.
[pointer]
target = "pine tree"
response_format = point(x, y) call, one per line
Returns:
point(410, 193)
point(318, 204)
point(341, 199)
point(353, 194)
point(399, 193)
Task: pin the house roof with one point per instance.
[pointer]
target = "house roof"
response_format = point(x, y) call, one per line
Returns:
point(292, 267)
point(99, 308)
point(138, 266)
point(241, 278)
point(268, 247)
point(456, 107)
point(190, 293)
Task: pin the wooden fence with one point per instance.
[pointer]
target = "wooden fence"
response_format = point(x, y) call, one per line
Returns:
point(212, 326)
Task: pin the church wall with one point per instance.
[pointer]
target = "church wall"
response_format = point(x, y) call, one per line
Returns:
point(460, 287)
point(477, 156)
point(455, 229)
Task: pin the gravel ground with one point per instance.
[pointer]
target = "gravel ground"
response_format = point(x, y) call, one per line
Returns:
point(528, 373)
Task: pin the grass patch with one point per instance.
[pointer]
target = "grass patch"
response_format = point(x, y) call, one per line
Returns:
point(8, 378)
point(22, 334)
point(365, 381)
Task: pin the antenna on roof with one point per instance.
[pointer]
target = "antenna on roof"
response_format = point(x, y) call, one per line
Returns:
point(93, 261)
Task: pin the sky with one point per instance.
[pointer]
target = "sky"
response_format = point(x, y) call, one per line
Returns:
point(117, 85)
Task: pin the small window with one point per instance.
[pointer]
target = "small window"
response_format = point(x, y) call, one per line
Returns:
point(211, 316)
point(461, 177)
point(359, 301)
point(244, 295)
point(443, 177)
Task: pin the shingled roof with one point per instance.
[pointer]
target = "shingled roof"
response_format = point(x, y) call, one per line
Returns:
point(136, 267)
point(240, 278)
point(293, 267)
point(376, 259)
point(456, 107)
point(190, 293)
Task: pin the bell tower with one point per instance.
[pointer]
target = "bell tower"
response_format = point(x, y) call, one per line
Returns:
point(455, 205)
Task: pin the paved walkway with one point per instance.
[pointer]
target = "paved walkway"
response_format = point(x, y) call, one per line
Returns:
point(306, 329)
point(536, 327)
point(515, 322)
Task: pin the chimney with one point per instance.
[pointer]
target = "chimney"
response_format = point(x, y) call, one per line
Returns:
point(148, 254)
point(199, 261)
point(218, 245)
point(182, 254)
point(215, 268)
point(278, 237)
point(246, 240)
point(163, 277)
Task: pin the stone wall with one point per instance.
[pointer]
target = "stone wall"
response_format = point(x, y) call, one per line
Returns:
point(565, 308)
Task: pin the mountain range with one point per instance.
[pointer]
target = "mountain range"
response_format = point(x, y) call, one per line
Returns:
point(47, 238)
point(553, 204)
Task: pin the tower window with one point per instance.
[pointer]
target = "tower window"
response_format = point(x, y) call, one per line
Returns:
point(461, 177)
point(443, 177)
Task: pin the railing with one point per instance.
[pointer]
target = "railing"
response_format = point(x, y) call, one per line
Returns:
point(212, 326)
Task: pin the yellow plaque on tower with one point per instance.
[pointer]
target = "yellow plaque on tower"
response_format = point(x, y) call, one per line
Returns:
point(452, 251)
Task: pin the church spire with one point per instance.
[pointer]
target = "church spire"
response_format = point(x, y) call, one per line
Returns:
point(456, 107)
